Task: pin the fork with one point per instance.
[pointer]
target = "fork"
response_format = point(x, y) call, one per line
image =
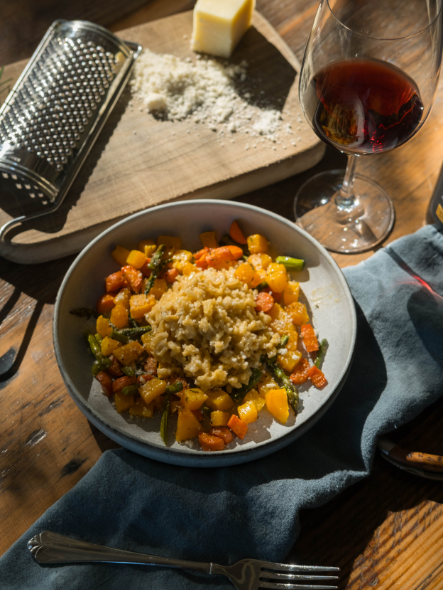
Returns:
point(247, 574)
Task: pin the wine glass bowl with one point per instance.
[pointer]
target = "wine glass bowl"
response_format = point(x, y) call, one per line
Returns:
point(367, 85)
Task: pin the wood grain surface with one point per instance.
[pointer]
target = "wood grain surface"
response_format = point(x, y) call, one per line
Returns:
point(139, 161)
point(385, 532)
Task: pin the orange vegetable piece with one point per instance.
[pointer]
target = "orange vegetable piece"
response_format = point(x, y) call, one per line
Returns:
point(123, 402)
point(141, 304)
point(300, 375)
point(277, 404)
point(298, 313)
point(123, 382)
point(145, 270)
point(171, 275)
point(236, 233)
point(310, 341)
point(276, 277)
point(257, 244)
point(115, 369)
point(210, 443)
point(245, 273)
point(202, 253)
point(119, 316)
point(201, 263)
point(119, 255)
point(105, 303)
point(237, 426)
point(317, 377)
point(105, 381)
point(134, 277)
point(115, 282)
point(264, 302)
point(123, 297)
point(222, 432)
point(208, 239)
point(236, 252)
point(136, 259)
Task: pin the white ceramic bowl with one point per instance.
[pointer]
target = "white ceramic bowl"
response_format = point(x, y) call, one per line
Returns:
point(323, 285)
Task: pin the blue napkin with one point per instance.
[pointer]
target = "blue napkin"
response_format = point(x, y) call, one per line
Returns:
point(251, 510)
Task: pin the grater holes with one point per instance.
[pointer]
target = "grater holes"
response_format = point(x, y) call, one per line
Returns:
point(5, 175)
point(18, 185)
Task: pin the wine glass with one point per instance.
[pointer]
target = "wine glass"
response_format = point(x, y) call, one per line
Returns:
point(367, 85)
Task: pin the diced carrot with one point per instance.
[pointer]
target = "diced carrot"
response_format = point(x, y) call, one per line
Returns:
point(238, 426)
point(264, 302)
point(300, 375)
point(134, 277)
point(171, 275)
point(219, 256)
point(222, 432)
point(310, 341)
point(201, 263)
point(210, 443)
point(123, 382)
point(236, 233)
point(317, 377)
point(115, 282)
point(105, 381)
point(236, 252)
point(202, 253)
point(145, 270)
point(142, 379)
point(115, 369)
point(105, 303)
point(150, 366)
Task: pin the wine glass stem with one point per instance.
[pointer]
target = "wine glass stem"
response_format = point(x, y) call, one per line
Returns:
point(345, 198)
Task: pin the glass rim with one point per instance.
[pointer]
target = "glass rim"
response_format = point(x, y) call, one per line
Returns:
point(421, 31)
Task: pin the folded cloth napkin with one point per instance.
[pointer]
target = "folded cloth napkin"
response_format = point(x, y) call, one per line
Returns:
point(251, 510)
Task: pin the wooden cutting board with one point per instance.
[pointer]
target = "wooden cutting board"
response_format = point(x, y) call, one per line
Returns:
point(138, 161)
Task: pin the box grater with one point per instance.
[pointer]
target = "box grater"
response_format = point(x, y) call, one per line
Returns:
point(54, 113)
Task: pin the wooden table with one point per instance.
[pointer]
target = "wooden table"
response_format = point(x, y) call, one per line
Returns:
point(384, 532)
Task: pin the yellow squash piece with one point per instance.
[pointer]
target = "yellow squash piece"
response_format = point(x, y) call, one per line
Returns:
point(120, 255)
point(119, 316)
point(291, 292)
point(180, 258)
point(257, 244)
point(149, 250)
point(219, 400)
point(260, 261)
point(219, 418)
point(276, 277)
point(103, 326)
point(152, 389)
point(159, 287)
point(277, 404)
point(208, 239)
point(129, 352)
point(187, 425)
point(188, 269)
point(244, 273)
point(247, 412)
point(123, 297)
point(123, 402)
point(141, 409)
point(254, 396)
point(289, 360)
point(141, 304)
point(298, 313)
point(266, 384)
point(193, 398)
point(136, 258)
point(109, 345)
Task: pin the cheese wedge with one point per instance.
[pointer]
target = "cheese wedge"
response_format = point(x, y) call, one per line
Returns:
point(220, 24)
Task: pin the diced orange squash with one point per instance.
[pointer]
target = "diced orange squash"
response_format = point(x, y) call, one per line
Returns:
point(123, 297)
point(159, 287)
point(188, 268)
point(283, 325)
point(103, 326)
point(298, 313)
point(266, 384)
point(236, 233)
point(129, 352)
point(257, 244)
point(219, 418)
point(120, 255)
point(254, 396)
point(293, 339)
point(136, 259)
point(289, 360)
point(219, 400)
point(149, 250)
point(193, 398)
point(276, 277)
point(170, 242)
point(141, 304)
point(123, 402)
point(170, 275)
point(140, 408)
point(291, 292)
point(247, 412)
point(244, 272)
point(141, 245)
point(260, 261)
point(277, 404)
point(222, 432)
point(317, 377)
point(187, 425)
point(276, 312)
point(119, 316)
point(310, 341)
point(147, 341)
point(108, 345)
point(133, 276)
point(115, 282)
point(208, 239)
point(208, 442)
point(301, 373)
point(180, 258)
point(105, 303)
point(237, 426)
point(152, 389)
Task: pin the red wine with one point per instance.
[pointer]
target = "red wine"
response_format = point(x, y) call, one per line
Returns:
point(363, 106)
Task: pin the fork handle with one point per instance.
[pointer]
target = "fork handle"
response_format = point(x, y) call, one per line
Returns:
point(49, 547)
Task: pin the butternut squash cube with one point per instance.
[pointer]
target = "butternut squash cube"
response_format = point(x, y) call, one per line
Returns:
point(140, 408)
point(283, 325)
point(219, 400)
point(123, 297)
point(120, 255)
point(170, 242)
point(123, 402)
point(129, 352)
point(219, 418)
point(180, 258)
point(109, 345)
point(147, 341)
point(257, 244)
point(260, 261)
point(149, 249)
point(289, 360)
point(187, 425)
point(136, 259)
point(298, 313)
point(119, 316)
point(254, 396)
point(276, 277)
point(276, 312)
point(141, 304)
point(277, 404)
point(193, 398)
point(208, 239)
point(103, 326)
point(244, 273)
point(158, 288)
point(188, 269)
point(266, 384)
point(152, 389)
point(247, 412)
point(291, 293)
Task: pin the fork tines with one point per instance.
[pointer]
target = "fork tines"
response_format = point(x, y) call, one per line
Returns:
point(291, 580)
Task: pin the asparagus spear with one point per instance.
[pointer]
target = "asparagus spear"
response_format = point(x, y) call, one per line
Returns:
point(255, 377)
point(130, 390)
point(128, 371)
point(284, 340)
point(321, 353)
point(104, 362)
point(156, 265)
point(125, 334)
point(290, 263)
point(170, 389)
point(287, 384)
point(116, 335)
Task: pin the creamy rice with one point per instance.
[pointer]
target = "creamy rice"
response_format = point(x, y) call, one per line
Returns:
point(207, 327)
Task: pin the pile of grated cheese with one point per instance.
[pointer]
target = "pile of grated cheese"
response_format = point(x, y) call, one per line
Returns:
point(207, 92)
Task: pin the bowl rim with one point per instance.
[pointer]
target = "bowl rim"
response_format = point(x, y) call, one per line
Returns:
point(185, 457)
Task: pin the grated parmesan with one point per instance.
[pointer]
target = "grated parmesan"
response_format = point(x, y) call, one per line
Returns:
point(207, 92)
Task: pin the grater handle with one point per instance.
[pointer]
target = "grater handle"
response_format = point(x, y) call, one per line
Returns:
point(17, 220)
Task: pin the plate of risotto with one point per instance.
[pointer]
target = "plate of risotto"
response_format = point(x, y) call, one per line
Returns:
point(204, 333)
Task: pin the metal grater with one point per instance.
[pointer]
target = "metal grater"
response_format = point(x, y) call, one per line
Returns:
point(54, 113)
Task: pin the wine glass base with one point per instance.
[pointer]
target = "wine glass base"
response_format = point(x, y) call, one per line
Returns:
point(346, 231)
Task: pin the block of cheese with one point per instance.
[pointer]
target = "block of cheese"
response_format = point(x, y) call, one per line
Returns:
point(220, 24)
